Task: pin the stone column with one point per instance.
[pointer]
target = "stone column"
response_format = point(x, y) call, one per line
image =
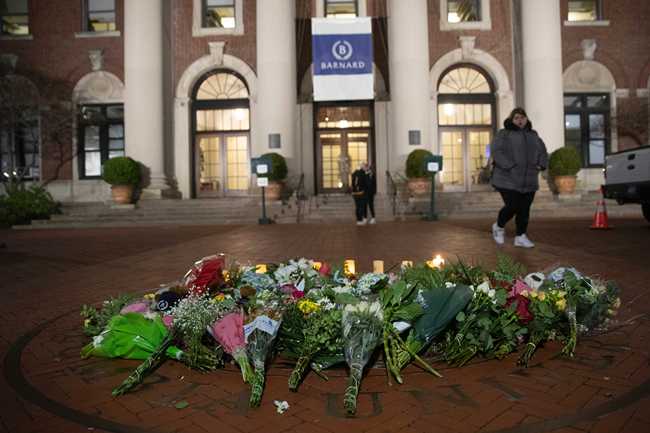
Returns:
point(542, 69)
point(276, 74)
point(408, 45)
point(143, 92)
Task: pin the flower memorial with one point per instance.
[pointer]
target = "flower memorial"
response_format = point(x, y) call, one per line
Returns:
point(320, 316)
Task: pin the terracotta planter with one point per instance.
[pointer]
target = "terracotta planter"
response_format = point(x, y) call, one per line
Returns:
point(419, 186)
point(565, 184)
point(274, 191)
point(122, 194)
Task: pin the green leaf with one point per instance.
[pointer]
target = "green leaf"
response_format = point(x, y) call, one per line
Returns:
point(460, 316)
point(346, 298)
point(408, 312)
point(181, 405)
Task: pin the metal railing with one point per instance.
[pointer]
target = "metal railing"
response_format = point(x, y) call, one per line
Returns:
point(301, 198)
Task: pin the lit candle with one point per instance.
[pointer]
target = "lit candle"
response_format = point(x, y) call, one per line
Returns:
point(226, 275)
point(317, 265)
point(378, 266)
point(348, 267)
point(407, 264)
point(260, 269)
point(438, 262)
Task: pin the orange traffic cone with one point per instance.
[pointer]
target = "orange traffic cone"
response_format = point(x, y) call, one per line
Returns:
point(600, 217)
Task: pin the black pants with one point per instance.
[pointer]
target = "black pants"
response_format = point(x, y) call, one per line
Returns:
point(360, 206)
point(370, 199)
point(517, 204)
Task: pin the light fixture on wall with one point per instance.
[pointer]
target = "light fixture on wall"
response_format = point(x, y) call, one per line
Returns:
point(343, 124)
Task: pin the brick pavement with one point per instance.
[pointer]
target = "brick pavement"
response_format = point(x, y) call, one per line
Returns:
point(47, 388)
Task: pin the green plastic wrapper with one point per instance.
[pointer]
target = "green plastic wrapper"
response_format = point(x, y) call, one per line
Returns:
point(130, 336)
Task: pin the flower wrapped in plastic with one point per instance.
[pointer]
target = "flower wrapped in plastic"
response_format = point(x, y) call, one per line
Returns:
point(229, 332)
point(363, 325)
point(205, 274)
point(316, 328)
point(261, 328)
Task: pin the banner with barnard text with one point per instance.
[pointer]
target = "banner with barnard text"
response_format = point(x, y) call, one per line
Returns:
point(342, 58)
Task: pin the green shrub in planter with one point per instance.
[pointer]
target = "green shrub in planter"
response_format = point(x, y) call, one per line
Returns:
point(121, 170)
point(564, 161)
point(278, 166)
point(415, 163)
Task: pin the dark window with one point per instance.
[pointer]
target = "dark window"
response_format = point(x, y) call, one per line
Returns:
point(586, 126)
point(219, 13)
point(101, 137)
point(459, 11)
point(99, 16)
point(585, 10)
point(19, 148)
point(14, 16)
point(341, 8)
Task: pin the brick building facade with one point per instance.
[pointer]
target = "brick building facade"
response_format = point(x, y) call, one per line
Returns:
point(194, 98)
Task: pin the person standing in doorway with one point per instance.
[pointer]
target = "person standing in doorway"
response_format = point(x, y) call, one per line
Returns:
point(359, 187)
point(519, 155)
point(371, 190)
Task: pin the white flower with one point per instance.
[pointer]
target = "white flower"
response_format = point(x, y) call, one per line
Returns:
point(483, 287)
point(450, 285)
point(491, 293)
point(281, 406)
point(97, 339)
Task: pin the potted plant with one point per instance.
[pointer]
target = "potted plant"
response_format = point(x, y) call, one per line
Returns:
point(563, 166)
point(123, 174)
point(277, 174)
point(416, 172)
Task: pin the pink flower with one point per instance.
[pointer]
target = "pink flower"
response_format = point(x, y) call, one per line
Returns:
point(325, 269)
point(138, 307)
point(297, 294)
point(518, 288)
point(229, 332)
point(168, 321)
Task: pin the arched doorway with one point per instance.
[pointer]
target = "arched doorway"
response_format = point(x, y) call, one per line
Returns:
point(221, 135)
point(466, 124)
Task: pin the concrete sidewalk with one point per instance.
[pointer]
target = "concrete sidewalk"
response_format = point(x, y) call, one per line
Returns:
point(48, 275)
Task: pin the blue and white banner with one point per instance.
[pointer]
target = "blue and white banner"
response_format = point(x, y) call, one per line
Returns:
point(342, 56)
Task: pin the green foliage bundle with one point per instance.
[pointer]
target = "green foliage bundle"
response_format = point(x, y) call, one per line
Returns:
point(96, 319)
point(21, 205)
point(564, 161)
point(121, 170)
point(278, 166)
point(415, 163)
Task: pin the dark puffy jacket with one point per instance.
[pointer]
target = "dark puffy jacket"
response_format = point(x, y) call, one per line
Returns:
point(519, 155)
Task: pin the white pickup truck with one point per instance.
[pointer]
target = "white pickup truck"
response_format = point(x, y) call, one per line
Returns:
point(627, 177)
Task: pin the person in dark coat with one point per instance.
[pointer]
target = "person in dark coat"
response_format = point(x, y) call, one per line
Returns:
point(519, 155)
point(359, 187)
point(371, 190)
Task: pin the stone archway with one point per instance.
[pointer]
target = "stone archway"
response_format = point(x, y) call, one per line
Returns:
point(487, 62)
point(182, 133)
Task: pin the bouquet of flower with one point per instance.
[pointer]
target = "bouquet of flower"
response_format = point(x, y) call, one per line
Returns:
point(486, 326)
point(229, 333)
point(205, 274)
point(96, 319)
point(318, 330)
point(547, 308)
point(440, 303)
point(263, 322)
point(363, 325)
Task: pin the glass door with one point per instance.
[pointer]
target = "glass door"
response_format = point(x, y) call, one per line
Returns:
point(340, 154)
point(222, 165)
point(466, 153)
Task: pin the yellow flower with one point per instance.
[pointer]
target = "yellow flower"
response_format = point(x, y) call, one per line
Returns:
point(524, 293)
point(150, 296)
point(617, 303)
point(86, 323)
point(612, 312)
point(220, 297)
point(541, 296)
point(532, 294)
point(560, 304)
point(561, 293)
point(307, 306)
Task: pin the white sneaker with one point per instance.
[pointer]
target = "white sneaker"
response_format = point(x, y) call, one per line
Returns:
point(523, 241)
point(372, 221)
point(498, 234)
point(362, 222)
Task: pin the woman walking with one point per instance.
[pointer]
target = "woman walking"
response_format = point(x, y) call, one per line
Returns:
point(519, 155)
